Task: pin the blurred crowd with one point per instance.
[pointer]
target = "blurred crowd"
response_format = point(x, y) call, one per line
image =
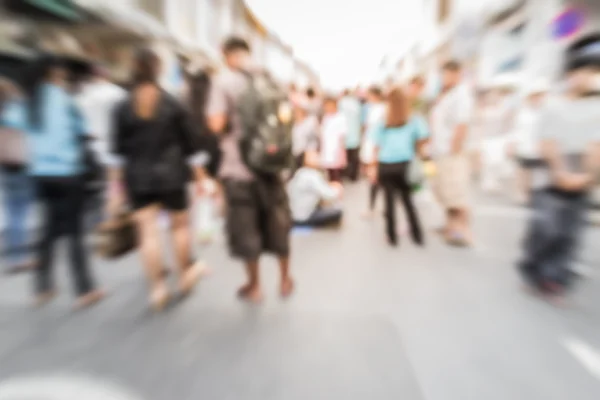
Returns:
point(117, 161)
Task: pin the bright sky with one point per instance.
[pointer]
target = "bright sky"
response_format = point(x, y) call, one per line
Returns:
point(343, 40)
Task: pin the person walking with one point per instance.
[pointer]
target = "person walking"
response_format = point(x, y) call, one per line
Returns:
point(451, 117)
point(258, 216)
point(16, 184)
point(351, 108)
point(524, 145)
point(57, 129)
point(153, 139)
point(570, 149)
point(375, 116)
point(305, 134)
point(398, 140)
point(333, 140)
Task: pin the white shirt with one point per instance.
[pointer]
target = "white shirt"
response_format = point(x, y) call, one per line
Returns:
point(333, 134)
point(375, 115)
point(307, 189)
point(453, 109)
point(304, 134)
point(525, 135)
point(97, 102)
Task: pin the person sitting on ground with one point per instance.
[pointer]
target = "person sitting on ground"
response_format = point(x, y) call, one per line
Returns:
point(312, 198)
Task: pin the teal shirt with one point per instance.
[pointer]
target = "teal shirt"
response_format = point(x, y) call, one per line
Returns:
point(56, 144)
point(352, 110)
point(398, 144)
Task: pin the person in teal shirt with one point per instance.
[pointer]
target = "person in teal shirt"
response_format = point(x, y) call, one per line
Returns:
point(396, 142)
point(350, 106)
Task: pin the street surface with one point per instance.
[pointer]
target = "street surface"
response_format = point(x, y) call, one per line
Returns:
point(367, 322)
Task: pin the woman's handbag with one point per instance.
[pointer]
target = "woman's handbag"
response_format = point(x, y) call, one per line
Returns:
point(416, 174)
point(13, 147)
point(116, 237)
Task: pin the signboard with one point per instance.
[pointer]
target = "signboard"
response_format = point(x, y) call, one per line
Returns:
point(568, 23)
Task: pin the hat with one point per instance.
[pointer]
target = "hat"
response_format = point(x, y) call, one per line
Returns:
point(584, 52)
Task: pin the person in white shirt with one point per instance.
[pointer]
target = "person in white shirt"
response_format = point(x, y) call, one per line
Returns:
point(450, 118)
point(375, 115)
point(333, 140)
point(312, 198)
point(305, 133)
point(524, 144)
point(97, 100)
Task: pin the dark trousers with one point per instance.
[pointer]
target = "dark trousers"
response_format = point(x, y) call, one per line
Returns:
point(373, 190)
point(63, 200)
point(334, 174)
point(553, 238)
point(325, 216)
point(353, 167)
point(394, 180)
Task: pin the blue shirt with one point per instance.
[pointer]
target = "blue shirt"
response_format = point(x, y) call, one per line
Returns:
point(56, 144)
point(398, 144)
point(14, 115)
point(351, 109)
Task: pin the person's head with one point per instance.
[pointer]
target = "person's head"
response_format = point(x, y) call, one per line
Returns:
point(146, 68)
point(416, 87)
point(536, 93)
point(330, 105)
point(236, 52)
point(310, 93)
point(374, 94)
point(583, 65)
point(50, 69)
point(451, 74)
point(346, 93)
point(398, 108)
point(311, 159)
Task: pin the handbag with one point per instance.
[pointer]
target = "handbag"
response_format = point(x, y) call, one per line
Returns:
point(13, 150)
point(116, 237)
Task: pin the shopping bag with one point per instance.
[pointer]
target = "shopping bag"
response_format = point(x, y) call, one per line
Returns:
point(416, 174)
point(116, 237)
point(205, 211)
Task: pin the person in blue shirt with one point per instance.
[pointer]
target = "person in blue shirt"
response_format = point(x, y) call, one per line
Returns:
point(350, 106)
point(16, 184)
point(56, 131)
point(397, 141)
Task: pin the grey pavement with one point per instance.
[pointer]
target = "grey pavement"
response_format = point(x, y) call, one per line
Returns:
point(367, 322)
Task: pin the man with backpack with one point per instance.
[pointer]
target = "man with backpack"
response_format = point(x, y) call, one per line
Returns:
point(253, 121)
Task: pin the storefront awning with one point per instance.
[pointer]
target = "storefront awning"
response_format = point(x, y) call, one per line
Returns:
point(62, 9)
point(126, 18)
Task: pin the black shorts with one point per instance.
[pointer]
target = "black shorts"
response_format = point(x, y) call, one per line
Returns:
point(258, 218)
point(175, 200)
point(530, 163)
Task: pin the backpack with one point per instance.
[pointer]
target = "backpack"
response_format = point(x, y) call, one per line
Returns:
point(266, 124)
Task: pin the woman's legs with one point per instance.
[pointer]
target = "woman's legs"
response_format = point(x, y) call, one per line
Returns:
point(390, 209)
point(150, 249)
point(409, 207)
point(181, 235)
point(51, 197)
point(373, 190)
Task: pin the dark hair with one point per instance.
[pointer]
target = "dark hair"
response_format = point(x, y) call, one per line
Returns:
point(347, 92)
point(310, 92)
point(38, 73)
point(584, 52)
point(398, 110)
point(235, 43)
point(376, 91)
point(146, 67)
point(452, 66)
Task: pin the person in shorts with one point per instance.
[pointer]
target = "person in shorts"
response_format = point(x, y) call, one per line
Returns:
point(258, 218)
point(450, 119)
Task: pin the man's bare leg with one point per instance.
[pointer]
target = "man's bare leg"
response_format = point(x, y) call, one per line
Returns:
point(251, 291)
point(287, 283)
